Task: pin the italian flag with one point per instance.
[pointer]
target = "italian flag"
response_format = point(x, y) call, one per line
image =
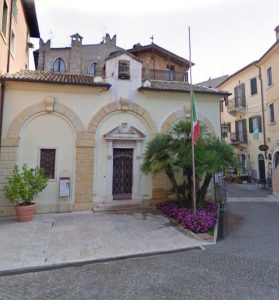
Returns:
point(195, 125)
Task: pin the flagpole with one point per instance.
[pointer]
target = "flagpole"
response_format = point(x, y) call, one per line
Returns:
point(192, 131)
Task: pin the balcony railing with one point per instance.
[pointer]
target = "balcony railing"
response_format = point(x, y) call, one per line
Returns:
point(236, 138)
point(163, 75)
point(237, 105)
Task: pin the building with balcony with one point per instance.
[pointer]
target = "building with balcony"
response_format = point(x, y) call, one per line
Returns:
point(93, 129)
point(249, 116)
point(18, 22)
point(157, 63)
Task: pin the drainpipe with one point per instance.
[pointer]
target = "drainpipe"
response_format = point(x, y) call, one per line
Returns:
point(262, 103)
point(2, 90)
point(9, 38)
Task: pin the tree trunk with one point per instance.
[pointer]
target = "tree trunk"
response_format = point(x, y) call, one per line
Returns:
point(202, 191)
point(173, 181)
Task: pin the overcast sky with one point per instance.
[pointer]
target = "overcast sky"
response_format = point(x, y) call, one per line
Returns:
point(226, 35)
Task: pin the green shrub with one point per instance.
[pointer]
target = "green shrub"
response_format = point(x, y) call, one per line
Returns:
point(25, 184)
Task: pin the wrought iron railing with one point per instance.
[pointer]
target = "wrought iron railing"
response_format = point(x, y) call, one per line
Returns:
point(236, 138)
point(163, 75)
point(237, 104)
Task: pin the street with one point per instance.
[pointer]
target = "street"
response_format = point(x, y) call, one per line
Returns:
point(245, 265)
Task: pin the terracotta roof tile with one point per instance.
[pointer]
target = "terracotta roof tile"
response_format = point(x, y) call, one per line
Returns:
point(178, 86)
point(54, 78)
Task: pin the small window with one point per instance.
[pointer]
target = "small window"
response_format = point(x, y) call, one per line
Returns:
point(59, 65)
point(4, 18)
point(47, 161)
point(269, 76)
point(124, 69)
point(253, 85)
point(170, 72)
point(92, 69)
point(12, 49)
point(14, 9)
point(271, 113)
point(255, 123)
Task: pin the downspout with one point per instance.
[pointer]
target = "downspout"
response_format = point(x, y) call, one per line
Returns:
point(262, 103)
point(9, 38)
point(2, 90)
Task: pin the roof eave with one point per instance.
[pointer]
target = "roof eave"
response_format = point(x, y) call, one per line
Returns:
point(142, 88)
point(101, 85)
point(31, 17)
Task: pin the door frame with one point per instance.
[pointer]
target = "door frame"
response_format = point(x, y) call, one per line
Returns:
point(131, 156)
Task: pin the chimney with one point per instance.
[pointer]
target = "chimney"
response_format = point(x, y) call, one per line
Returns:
point(277, 33)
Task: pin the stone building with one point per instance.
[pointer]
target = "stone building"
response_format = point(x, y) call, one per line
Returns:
point(92, 130)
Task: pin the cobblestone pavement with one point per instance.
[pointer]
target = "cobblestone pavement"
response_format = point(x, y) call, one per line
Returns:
point(243, 266)
point(247, 190)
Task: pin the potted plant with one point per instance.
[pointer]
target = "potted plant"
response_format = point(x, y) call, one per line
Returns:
point(22, 188)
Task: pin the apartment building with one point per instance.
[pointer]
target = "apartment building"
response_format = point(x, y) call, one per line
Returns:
point(18, 22)
point(249, 117)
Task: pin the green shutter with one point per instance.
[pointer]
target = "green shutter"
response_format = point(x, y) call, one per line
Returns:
point(260, 123)
point(250, 125)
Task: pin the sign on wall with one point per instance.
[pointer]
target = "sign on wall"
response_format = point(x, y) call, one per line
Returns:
point(64, 187)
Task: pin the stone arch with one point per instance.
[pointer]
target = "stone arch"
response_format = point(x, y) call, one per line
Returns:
point(121, 106)
point(182, 113)
point(29, 112)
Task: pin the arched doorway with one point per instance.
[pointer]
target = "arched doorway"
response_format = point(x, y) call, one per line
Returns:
point(261, 164)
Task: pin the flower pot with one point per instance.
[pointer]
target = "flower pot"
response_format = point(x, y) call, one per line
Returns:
point(25, 213)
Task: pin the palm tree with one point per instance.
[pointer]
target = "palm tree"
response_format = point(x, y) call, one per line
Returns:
point(171, 152)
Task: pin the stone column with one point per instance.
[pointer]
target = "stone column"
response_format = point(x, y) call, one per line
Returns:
point(8, 159)
point(84, 172)
point(109, 195)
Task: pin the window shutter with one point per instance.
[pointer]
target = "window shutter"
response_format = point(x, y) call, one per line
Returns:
point(244, 130)
point(250, 125)
point(260, 123)
point(243, 100)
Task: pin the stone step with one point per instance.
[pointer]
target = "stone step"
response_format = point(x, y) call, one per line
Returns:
point(121, 205)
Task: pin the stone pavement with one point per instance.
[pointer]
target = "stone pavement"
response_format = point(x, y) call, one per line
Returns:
point(57, 239)
point(243, 266)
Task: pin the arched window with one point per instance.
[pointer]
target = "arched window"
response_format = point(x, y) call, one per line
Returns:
point(92, 69)
point(59, 65)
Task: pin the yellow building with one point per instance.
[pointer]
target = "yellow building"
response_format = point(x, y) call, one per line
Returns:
point(249, 116)
point(18, 22)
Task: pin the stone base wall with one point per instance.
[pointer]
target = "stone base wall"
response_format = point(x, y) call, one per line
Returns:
point(275, 183)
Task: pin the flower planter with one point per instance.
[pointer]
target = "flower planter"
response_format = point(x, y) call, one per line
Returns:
point(24, 213)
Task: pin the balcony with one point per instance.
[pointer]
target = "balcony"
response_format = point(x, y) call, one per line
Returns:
point(236, 105)
point(163, 75)
point(236, 138)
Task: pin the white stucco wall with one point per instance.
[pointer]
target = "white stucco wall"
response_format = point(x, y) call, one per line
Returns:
point(102, 168)
point(50, 131)
point(53, 130)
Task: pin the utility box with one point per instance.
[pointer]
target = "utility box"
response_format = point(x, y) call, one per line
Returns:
point(64, 187)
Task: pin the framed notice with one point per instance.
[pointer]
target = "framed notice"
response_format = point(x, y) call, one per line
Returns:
point(64, 187)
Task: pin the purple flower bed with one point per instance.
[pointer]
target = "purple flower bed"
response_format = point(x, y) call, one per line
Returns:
point(205, 219)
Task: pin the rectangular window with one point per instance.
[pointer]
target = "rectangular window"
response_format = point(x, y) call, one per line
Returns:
point(271, 113)
point(241, 164)
point(239, 96)
point(254, 124)
point(269, 76)
point(253, 85)
point(4, 18)
point(241, 132)
point(12, 49)
point(47, 161)
point(124, 69)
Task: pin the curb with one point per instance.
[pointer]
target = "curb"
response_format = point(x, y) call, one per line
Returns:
point(19, 271)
